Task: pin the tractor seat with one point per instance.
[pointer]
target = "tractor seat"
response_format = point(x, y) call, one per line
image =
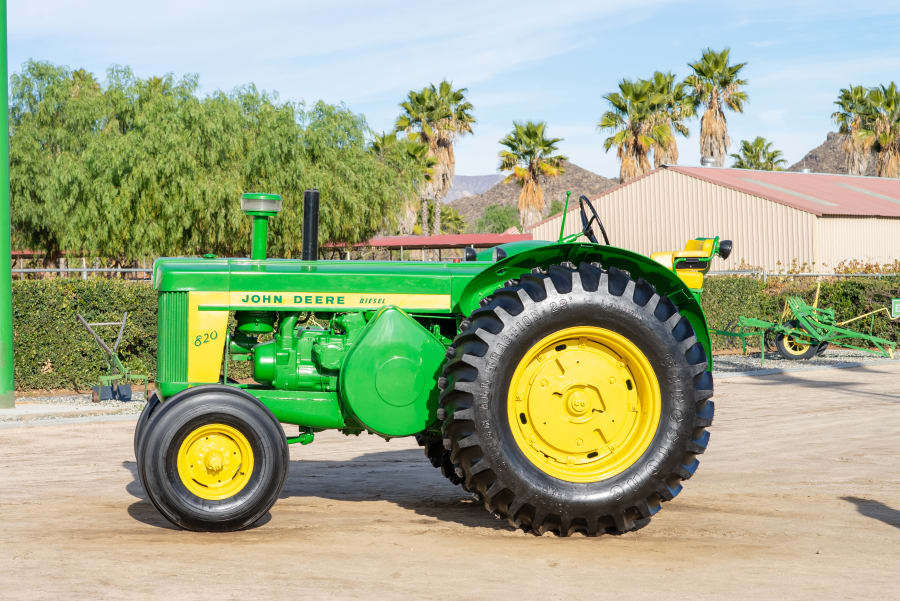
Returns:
point(692, 262)
point(693, 249)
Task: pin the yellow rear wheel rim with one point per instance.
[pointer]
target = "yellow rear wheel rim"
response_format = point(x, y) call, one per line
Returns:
point(584, 404)
point(795, 346)
point(215, 462)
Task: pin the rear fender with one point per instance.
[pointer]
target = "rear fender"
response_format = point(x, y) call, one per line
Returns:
point(639, 266)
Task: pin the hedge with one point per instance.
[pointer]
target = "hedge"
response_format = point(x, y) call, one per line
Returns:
point(54, 351)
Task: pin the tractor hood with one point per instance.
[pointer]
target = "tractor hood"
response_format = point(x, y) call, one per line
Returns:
point(288, 284)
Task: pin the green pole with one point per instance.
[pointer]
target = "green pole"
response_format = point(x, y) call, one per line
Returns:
point(7, 394)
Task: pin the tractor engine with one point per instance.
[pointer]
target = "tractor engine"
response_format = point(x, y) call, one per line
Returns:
point(383, 365)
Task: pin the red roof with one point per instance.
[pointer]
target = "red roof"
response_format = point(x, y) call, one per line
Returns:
point(817, 193)
point(440, 241)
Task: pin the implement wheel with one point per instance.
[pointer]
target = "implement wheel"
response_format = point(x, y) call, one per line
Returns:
point(795, 347)
point(576, 399)
point(213, 460)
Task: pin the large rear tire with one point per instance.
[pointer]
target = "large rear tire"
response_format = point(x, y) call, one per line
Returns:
point(213, 460)
point(536, 382)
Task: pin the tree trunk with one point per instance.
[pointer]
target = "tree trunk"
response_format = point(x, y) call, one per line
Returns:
point(424, 212)
point(714, 140)
point(408, 217)
point(436, 216)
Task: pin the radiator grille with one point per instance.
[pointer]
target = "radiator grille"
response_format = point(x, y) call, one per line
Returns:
point(171, 355)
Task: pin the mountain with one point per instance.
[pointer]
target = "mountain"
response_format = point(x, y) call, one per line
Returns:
point(828, 157)
point(578, 180)
point(471, 185)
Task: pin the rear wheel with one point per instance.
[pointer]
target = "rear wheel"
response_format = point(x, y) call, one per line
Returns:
point(438, 456)
point(795, 347)
point(576, 400)
point(215, 460)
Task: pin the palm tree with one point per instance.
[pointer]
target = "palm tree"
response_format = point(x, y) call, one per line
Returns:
point(436, 116)
point(758, 154)
point(636, 124)
point(715, 84)
point(402, 153)
point(853, 121)
point(886, 129)
point(674, 105)
point(529, 155)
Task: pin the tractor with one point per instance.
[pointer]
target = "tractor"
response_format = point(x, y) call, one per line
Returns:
point(565, 384)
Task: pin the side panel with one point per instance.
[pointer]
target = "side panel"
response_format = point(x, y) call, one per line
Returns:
point(205, 336)
point(638, 266)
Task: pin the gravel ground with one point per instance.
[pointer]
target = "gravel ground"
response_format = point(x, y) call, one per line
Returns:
point(750, 363)
point(67, 406)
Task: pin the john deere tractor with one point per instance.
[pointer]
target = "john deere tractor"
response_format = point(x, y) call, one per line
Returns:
point(565, 384)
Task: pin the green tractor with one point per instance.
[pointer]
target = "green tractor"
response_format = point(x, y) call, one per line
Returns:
point(565, 384)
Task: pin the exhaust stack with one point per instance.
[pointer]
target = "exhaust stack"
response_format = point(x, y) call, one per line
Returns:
point(260, 207)
point(310, 225)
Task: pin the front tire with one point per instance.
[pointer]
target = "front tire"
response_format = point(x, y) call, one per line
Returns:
point(213, 461)
point(631, 356)
point(147, 412)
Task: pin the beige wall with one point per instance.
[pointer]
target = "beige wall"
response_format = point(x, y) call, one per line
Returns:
point(665, 209)
point(867, 239)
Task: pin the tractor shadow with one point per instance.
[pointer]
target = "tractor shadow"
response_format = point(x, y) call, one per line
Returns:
point(402, 477)
point(876, 510)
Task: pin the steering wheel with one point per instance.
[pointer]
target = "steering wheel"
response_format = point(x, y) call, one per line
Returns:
point(587, 230)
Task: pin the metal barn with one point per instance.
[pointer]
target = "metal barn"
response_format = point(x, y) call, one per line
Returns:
point(777, 219)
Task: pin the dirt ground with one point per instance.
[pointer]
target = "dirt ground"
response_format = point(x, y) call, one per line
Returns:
point(798, 497)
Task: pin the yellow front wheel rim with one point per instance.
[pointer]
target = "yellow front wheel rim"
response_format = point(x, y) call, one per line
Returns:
point(584, 404)
point(215, 462)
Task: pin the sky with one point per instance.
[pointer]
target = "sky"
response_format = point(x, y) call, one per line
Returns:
point(549, 61)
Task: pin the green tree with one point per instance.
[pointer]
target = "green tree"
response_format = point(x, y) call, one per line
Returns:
point(673, 105)
point(411, 156)
point(450, 217)
point(885, 128)
point(496, 219)
point(716, 84)
point(854, 118)
point(530, 157)
point(436, 116)
point(758, 154)
point(138, 168)
point(637, 125)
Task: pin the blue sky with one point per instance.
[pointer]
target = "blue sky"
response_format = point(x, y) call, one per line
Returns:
point(542, 60)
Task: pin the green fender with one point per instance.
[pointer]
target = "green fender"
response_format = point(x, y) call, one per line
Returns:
point(522, 257)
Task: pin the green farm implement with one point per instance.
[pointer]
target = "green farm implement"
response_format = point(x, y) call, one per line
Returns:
point(116, 382)
point(565, 383)
point(806, 331)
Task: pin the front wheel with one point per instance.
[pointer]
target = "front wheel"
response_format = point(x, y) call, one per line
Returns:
point(576, 400)
point(140, 427)
point(215, 460)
